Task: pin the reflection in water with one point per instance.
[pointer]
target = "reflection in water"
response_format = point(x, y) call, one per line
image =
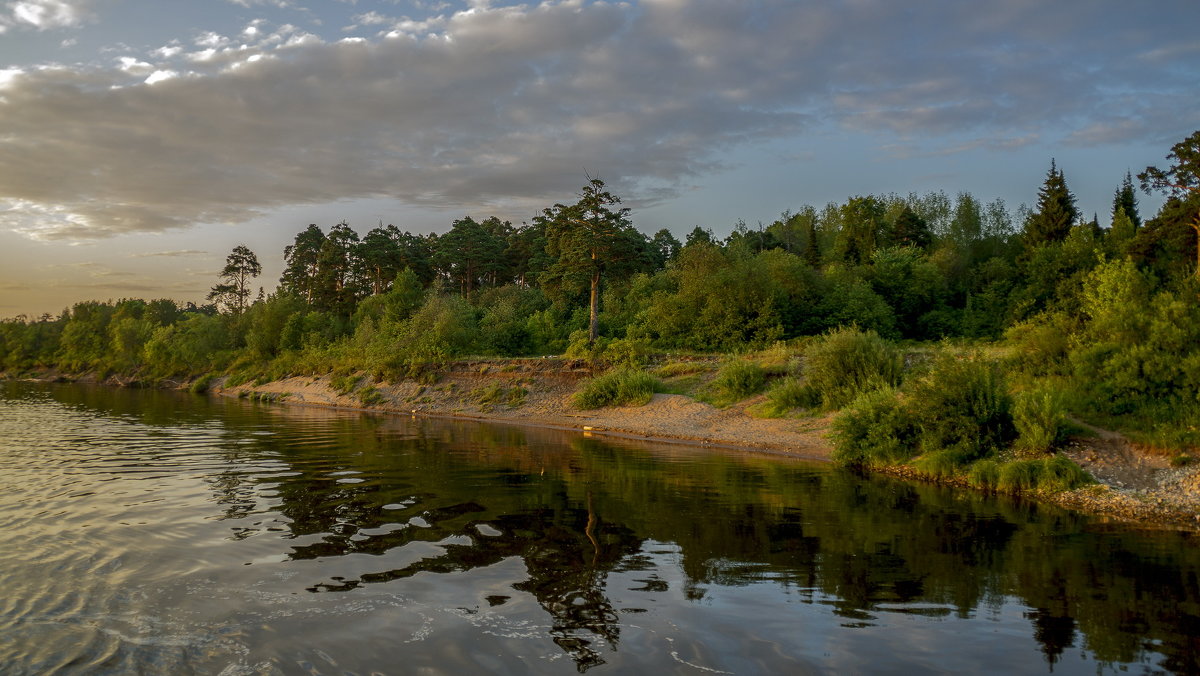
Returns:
point(189, 534)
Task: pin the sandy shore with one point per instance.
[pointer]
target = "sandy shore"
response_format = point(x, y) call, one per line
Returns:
point(1134, 485)
point(546, 402)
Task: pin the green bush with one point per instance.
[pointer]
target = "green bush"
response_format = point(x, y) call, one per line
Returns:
point(945, 462)
point(963, 403)
point(623, 387)
point(1053, 474)
point(680, 368)
point(622, 352)
point(984, 474)
point(496, 393)
point(785, 395)
point(846, 362)
point(369, 396)
point(1039, 416)
point(201, 384)
point(344, 383)
point(739, 379)
point(875, 429)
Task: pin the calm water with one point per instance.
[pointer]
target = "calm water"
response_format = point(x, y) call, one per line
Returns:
point(152, 532)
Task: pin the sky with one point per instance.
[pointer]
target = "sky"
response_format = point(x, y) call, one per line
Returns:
point(141, 140)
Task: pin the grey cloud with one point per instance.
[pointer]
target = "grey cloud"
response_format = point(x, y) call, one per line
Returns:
point(505, 107)
point(171, 254)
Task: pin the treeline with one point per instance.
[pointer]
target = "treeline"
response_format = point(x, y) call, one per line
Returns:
point(1114, 307)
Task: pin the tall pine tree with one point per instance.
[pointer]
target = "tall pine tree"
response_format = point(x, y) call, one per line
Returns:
point(1124, 199)
point(1056, 211)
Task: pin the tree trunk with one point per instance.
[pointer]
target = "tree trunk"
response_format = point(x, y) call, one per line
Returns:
point(594, 318)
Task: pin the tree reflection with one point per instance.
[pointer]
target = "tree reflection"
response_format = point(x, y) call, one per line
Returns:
point(576, 511)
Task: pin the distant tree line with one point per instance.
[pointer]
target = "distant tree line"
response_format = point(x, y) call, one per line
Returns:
point(581, 276)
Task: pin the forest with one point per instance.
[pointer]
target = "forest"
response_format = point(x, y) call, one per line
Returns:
point(1024, 316)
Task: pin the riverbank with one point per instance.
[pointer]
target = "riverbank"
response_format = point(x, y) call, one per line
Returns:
point(1134, 484)
point(538, 392)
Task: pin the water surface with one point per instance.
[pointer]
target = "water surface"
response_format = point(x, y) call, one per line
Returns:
point(158, 532)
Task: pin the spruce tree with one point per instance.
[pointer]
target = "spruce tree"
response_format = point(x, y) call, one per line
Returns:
point(1056, 211)
point(1125, 199)
point(911, 230)
point(812, 248)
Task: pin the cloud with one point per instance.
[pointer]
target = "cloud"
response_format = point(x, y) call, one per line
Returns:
point(503, 108)
point(171, 254)
point(48, 14)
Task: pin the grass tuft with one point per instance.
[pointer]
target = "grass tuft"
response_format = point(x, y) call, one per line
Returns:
point(623, 387)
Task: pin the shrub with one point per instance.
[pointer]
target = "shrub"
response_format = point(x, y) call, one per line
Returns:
point(739, 379)
point(1040, 345)
point(344, 383)
point(1044, 474)
point(846, 362)
point(201, 384)
point(369, 396)
point(787, 394)
point(984, 474)
point(622, 352)
point(875, 429)
point(1039, 417)
point(623, 387)
point(680, 368)
point(963, 404)
point(496, 393)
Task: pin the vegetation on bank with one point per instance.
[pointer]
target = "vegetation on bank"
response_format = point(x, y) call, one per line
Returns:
point(1067, 317)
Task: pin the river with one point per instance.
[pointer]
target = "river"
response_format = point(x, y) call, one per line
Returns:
point(160, 532)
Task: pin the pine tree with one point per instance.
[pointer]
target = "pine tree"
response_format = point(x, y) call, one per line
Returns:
point(1056, 211)
point(590, 238)
point(234, 290)
point(1180, 181)
point(1125, 199)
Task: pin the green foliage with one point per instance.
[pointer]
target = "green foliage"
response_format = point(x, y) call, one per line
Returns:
point(496, 393)
point(846, 362)
point(875, 429)
point(1048, 475)
point(1056, 211)
point(233, 291)
point(622, 387)
point(344, 383)
point(200, 385)
point(1040, 346)
point(945, 462)
point(266, 322)
point(850, 301)
point(739, 379)
point(984, 474)
point(370, 396)
point(1039, 416)
point(198, 344)
point(787, 394)
point(963, 405)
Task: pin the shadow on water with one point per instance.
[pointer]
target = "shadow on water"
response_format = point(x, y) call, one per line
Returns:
point(579, 513)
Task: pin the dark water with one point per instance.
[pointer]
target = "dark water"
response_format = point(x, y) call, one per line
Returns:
point(151, 532)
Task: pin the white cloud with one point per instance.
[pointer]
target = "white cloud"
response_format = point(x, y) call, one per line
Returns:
point(47, 14)
point(160, 75)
